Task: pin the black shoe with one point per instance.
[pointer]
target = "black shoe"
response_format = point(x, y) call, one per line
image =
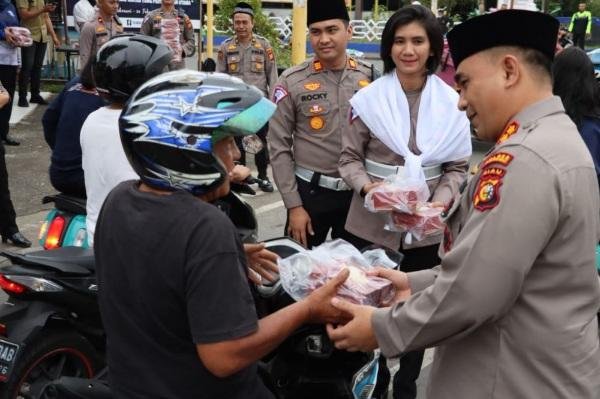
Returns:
point(18, 240)
point(37, 100)
point(265, 185)
point(9, 141)
point(23, 102)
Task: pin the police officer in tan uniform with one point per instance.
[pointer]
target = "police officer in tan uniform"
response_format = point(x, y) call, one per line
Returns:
point(512, 308)
point(102, 28)
point(250, 57)
point(182, 46)
point(306, 130)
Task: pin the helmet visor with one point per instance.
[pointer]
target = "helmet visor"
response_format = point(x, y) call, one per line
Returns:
point(247, 122)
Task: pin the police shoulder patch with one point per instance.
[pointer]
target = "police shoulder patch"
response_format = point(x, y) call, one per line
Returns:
point(502, 158)
point(279, 93)
point(487, 192)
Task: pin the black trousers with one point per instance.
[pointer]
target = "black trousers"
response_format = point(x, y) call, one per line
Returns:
point(31, 69)
point(327, 209)
point(579, 40)
point(8, 217)
point(8, 77)
point(261, 159)
point(73, 187)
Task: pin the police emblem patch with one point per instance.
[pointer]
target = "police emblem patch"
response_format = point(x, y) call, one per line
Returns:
point(363, 83)
point(317, 123)
point(233, 67)
point(270, 54)
point(511, 129)
point(315, 109)
point(487, 193)
point(312, 86)
point(279, 93)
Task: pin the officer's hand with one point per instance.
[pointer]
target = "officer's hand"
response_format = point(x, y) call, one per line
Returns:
point(56, 41)
point(261, 261)
point(319, 302)
point(399, 281)
point(49, 7)
point(357, 334)
point(299, 225)
point(370, 186)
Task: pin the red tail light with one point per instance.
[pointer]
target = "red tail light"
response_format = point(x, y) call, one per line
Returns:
point(10, 286)
point(55, 232)
point(3, 330)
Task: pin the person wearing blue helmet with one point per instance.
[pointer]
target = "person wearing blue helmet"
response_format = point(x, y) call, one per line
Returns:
point(173, 285)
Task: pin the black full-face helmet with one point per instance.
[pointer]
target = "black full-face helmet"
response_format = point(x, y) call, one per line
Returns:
point(126, 61)
point(171, 123)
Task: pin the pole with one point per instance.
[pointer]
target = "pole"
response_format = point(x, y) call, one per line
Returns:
point(209, 28)
point(199, 50)
point(63, 5)
point(358, 9)
point(299, 32)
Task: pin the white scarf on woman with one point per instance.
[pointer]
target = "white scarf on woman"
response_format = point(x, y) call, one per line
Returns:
point(443, 133)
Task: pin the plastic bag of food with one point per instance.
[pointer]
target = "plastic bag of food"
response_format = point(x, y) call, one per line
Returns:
point(397, 192)
point(22, 36)
point(424, 221)
point(304, 272)
point(169, 33)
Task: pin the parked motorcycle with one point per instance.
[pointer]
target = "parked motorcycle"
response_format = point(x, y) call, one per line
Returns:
point(65, 223)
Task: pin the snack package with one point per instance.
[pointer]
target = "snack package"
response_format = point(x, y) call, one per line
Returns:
point(425, 221)
point(306, 271)
point(169, 33)
point(22, 36)
point(397, 192)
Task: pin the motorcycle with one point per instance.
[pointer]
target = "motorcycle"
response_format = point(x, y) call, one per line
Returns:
point(50, 327)
point(65, 223)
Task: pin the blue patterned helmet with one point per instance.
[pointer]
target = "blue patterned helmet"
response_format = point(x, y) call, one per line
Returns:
point(171, 123)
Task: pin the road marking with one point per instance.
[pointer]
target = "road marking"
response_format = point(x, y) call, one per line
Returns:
point(268, 207)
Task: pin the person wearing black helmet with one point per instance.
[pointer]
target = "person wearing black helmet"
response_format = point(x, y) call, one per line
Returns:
point(121, 66)
point(173, 288)
point(512, 308)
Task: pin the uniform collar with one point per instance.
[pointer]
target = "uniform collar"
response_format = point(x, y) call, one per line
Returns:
point(251, 42)
point(526, 120)
point(317, 65)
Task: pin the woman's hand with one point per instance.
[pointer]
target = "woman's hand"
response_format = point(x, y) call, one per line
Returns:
point(10, 37)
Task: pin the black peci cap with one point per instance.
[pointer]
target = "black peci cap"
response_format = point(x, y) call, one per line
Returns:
point(322, 10)
point(243, 8)
point(528, 29)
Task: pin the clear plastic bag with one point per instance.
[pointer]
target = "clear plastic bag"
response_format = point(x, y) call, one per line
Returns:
point(21, 35)
point(304, 272)
point(169, 33)
point(397, 192)
point(424, 221)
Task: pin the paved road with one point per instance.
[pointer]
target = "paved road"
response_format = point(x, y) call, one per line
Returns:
point(28, 179)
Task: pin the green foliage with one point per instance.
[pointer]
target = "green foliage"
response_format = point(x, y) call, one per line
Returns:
point(460, 8)
point(262, 27)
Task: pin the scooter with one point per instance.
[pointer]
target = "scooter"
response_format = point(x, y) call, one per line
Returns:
point(50, 326)
point(65, 223)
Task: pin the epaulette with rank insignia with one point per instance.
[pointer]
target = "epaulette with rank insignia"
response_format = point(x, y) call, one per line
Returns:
point(295, 69)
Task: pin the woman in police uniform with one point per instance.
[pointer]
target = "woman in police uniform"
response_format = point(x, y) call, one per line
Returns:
point(411, 49)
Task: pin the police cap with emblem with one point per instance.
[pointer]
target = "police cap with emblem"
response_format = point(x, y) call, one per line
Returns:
point(322, 10)
point(243, 8)
point(528, 29)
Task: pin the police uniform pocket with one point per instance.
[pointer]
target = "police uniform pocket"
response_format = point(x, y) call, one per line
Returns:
point(316, 115)
point(233, 63)
point(258, 63)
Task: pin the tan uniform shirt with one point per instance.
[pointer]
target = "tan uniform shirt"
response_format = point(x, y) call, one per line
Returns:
point(512, 308)
point(310, 120)
point(151, 26)
point(94, 34)
point(360, 144)
point(254, 64)
point(36, 25)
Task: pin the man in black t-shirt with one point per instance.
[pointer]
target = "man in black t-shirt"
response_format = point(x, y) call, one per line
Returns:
point(173, 287)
